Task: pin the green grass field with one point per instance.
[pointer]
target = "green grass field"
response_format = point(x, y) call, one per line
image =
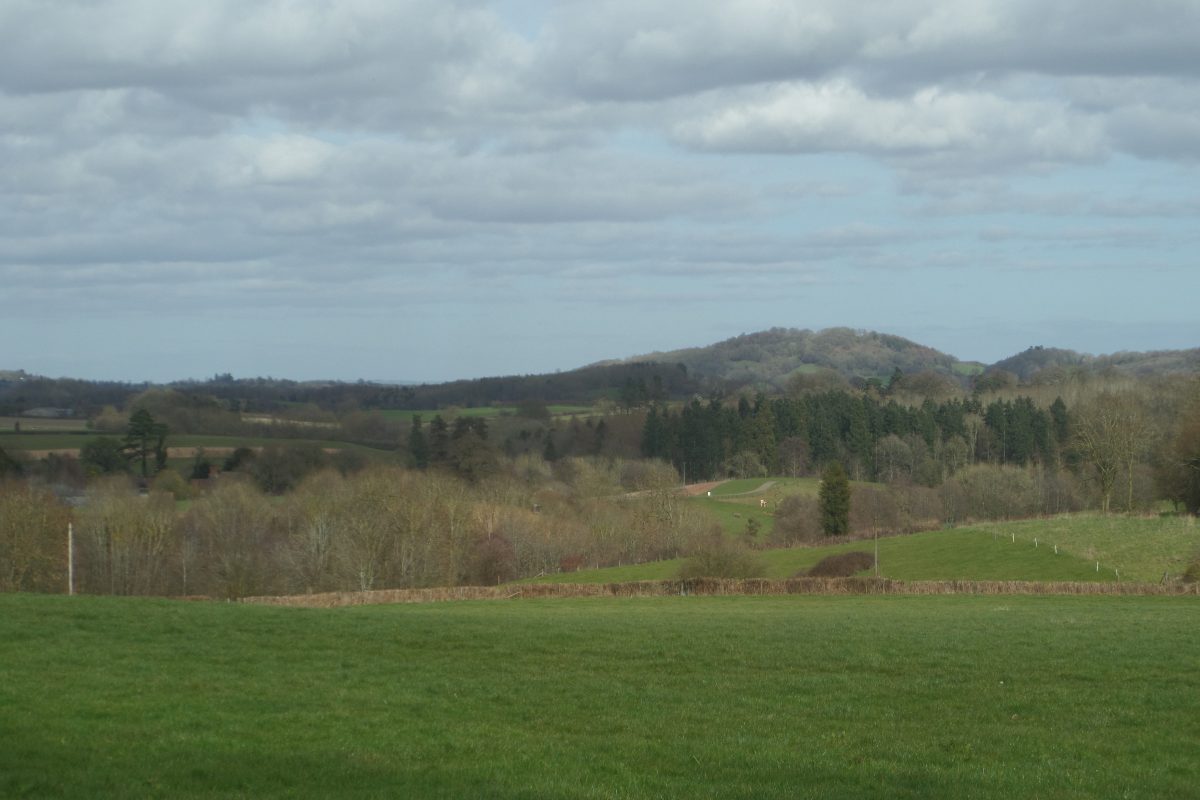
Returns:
point(959, 554)
point(482, 411)
point(734, 502)
point(751, 697)
point(1142, 548)
point(74, 441)
point(10, 424)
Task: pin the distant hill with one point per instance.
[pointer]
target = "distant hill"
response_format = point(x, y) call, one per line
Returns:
point(1050, 360)
point(771, 358)
point(767, 360)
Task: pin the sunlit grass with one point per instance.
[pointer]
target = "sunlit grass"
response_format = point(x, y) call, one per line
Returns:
point(818, 697)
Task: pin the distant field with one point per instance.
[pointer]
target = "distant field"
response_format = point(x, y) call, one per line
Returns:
point(735, 501)
point(1142, 548)
point(747, 697)
point(36, 424)
point(1138, 548)
point(960, 554)
point(71, 441)
point(484, 411)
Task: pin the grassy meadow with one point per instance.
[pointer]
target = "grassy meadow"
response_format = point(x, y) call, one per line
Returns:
point(74, 441)
point(1142, 548)
point(11, 424)
point(480, 411)
point(747, 697)
point(957, 554)
point(734, 502)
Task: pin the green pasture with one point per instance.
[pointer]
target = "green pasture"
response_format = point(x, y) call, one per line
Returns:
point(738, 697)
point(1142, 548)
point(74, 441)
point(957, 554)
point(38, 424)
point(735, 501)
point(44, 440)
point(481, 411)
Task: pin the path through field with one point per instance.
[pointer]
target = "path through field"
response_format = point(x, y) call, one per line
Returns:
point(766, 485)
point(694, 489)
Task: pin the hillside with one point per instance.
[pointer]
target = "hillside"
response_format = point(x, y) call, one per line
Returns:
point(1046, 364)
point(770, 358)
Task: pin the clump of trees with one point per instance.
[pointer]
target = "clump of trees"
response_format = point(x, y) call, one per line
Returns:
point(381, 527)
point(718, 556)
point(1178, 468)
point(33, 539)
point(872, 436)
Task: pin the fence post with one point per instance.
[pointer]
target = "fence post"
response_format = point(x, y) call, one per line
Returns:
point(70, 558)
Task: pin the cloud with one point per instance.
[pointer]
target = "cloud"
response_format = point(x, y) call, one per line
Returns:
point(370, 155)
point(840, 117)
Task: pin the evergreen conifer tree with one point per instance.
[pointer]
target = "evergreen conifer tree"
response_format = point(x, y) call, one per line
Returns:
point(834, 501)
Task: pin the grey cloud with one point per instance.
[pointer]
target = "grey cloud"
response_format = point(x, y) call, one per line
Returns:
point(362, 154)
point(624, 49)
point(840, 117)
point(357, 63)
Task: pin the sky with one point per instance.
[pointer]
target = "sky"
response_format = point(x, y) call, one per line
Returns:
point(425, 190)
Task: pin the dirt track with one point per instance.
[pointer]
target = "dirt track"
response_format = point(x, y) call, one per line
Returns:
point(693, 489)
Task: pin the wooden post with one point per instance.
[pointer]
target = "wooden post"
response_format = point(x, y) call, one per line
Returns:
point(70, 559)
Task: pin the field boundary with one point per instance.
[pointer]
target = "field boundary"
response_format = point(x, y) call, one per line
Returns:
point(722, 587)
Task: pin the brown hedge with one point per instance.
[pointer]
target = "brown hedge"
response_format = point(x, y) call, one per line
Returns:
point(722, 586)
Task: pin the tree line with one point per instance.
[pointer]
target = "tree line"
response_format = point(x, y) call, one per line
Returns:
point(381, 527)
point(872, 437)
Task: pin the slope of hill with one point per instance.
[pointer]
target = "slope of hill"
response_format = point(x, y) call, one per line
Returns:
point(767, 360)
point(960, 554)
point(770, 358)
point(1043, 363)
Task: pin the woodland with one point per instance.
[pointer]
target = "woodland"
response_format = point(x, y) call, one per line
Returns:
point(309, 488)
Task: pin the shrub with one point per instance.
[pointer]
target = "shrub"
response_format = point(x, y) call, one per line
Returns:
point(796, 520)
point(172, 482)
point(720, 557)
point(842, 565)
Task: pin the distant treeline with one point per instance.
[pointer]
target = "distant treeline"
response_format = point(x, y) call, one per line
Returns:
point(628, 385)
point(871, 437)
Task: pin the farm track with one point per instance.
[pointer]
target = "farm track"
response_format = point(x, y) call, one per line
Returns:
point(761, 489)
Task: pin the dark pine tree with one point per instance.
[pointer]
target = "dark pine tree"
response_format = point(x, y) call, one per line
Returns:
point(418, 445)
point(834, 501)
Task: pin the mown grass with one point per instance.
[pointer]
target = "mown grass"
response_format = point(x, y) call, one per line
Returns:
point(747, 697)
point(959, 554)
point(1142, 548)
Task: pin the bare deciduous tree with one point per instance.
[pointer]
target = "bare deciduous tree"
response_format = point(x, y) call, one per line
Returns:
point(1110, 434)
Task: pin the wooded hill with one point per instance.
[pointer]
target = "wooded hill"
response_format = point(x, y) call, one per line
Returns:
point(770, 359)
point(779, 359)
point(1049, 364)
